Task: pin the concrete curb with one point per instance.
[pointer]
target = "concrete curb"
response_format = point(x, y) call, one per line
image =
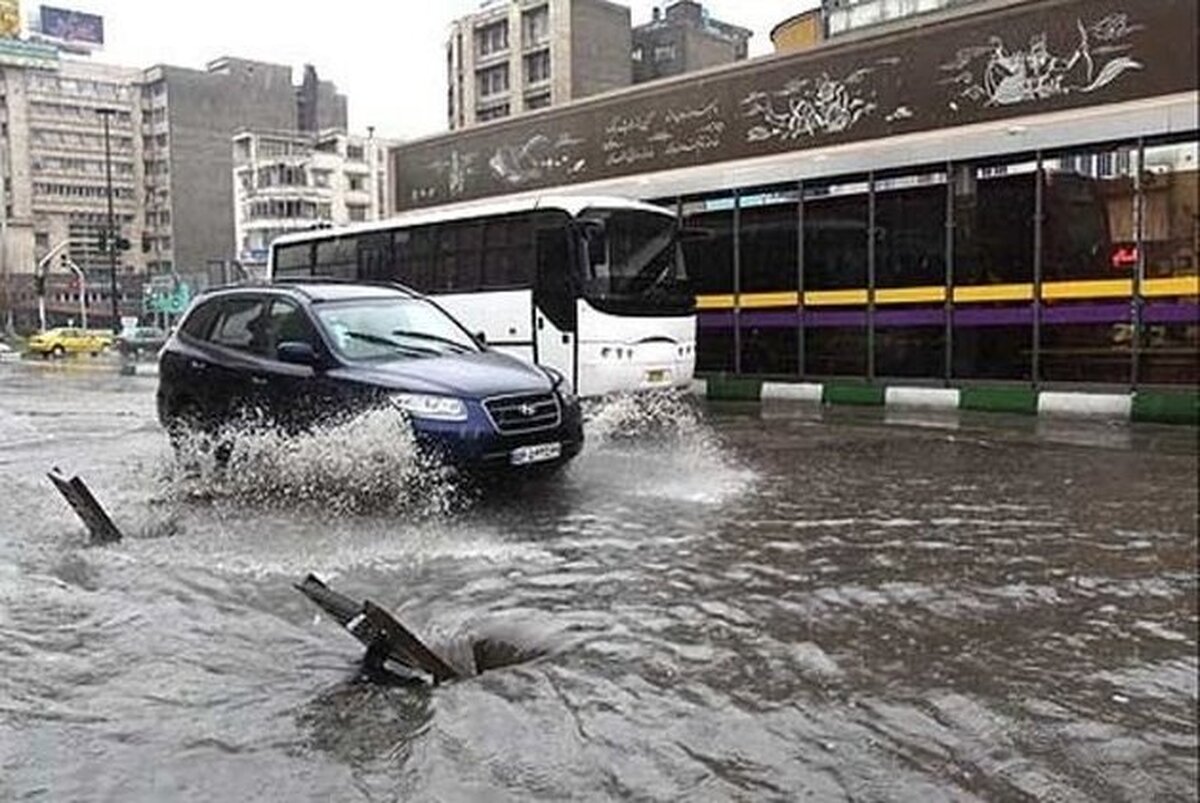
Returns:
point(81, 366)
point(1161, 407)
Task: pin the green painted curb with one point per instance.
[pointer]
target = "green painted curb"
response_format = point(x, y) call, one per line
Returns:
point(734, 389)
point(999, 400)
point(861, 395)
point(1166, 408)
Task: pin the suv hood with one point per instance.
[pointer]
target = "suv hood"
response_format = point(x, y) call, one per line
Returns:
point(476, 376)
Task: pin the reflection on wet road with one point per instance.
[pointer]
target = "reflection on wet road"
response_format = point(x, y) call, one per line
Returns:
point(732, 603)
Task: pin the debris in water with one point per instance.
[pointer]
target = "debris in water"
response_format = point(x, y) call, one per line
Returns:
point(81, 500)
point(384, 637)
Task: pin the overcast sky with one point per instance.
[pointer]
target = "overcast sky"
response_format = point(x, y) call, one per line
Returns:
point(386, 55)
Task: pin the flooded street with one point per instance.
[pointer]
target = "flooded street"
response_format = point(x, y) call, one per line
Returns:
point(726, 603)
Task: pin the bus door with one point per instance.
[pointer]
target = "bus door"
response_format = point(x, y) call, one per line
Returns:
point(555, 312)
point(375, 257)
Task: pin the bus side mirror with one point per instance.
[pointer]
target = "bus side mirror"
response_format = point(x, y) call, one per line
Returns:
point(595, 238)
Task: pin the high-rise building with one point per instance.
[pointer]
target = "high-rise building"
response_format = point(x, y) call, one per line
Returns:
point(518, 55)
point(190, 117)
point(683, 38)
point(169, 134)
point(285, 181)
point(845, 16)
point(53, 161)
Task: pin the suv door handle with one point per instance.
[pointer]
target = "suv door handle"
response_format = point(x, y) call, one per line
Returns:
point(197, 365)
point(260, 381)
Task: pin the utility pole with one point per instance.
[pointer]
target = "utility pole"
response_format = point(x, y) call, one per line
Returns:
point(111, 239)
point(4, 270)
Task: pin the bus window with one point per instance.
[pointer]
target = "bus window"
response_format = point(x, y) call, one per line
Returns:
point(375, 258)
point(460, 254)
point(508, 253)
point(413, 251)
point(294, 259)
point(337, 256)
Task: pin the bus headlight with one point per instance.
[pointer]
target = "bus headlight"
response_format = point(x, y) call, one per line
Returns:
point(433, 408)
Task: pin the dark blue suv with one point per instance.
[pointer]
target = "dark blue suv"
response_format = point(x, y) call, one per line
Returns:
point(298, 355)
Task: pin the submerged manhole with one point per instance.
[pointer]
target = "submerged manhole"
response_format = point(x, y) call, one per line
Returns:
point(387, 640)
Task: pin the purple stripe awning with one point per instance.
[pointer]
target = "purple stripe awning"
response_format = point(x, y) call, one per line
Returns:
point(1086, 313)
point(910, 317)
point(1059, 314)
point(1171, 312)
point(994, 316)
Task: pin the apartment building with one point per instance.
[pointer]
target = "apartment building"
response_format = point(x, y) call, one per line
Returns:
point(682, 38)
point(846, 16)
point(285, 181)
point(190, 117)
point(168, 145)
point(52, 145)
point(513, 56)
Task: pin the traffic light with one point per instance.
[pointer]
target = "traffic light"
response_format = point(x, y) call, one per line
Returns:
point(105, 239)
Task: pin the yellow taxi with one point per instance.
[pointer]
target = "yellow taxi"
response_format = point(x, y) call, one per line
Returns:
point(65, 340)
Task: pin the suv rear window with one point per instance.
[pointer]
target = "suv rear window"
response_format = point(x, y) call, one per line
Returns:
point(200, 321)
point(240, 324)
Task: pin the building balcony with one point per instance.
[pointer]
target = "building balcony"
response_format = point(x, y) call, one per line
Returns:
point(285, 193)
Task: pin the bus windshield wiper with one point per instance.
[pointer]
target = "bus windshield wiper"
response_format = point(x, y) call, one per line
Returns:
point(462, 349)
point(367, 337)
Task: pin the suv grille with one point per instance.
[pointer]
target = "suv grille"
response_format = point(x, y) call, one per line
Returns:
point(514, 415)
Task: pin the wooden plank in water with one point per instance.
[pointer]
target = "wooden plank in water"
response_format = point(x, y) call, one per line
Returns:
point(378, 630)
point(80, 498)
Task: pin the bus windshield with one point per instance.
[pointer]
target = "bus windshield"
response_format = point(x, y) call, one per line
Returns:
point(633, 263)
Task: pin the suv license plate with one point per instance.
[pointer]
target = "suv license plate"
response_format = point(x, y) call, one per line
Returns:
point(657, 376)
point(536, 454)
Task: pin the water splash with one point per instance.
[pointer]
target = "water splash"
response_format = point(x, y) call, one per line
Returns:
point(667, 415)
point(366, 464)
point(662, 441)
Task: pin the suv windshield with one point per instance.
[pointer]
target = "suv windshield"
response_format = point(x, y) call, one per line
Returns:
point(633, 263)
point(391, 329)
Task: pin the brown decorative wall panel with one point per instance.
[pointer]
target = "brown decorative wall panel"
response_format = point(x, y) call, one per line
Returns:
point(1040, 56)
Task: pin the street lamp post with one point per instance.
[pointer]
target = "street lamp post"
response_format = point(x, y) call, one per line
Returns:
point(111, 240)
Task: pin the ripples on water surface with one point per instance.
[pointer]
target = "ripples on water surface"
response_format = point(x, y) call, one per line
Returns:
point(727, 605)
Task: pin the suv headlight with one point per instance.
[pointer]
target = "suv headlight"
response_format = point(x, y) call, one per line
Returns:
point(434, 408)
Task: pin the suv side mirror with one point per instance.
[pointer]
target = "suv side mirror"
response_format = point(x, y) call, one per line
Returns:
point(481, 337)
point(296, 352)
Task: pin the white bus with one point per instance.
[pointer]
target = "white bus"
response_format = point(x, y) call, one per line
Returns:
point(595, 288)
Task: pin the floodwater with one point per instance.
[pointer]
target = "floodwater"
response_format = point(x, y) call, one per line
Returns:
point(724, 603)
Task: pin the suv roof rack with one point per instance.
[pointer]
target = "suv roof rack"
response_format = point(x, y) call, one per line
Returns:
point(297, 280)
point(297, 284)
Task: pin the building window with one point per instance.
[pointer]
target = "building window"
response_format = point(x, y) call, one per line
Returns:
point(535, 26)
point(354, 153)
point(493, 81)
point(492, 39)
point(539, 101)
point(664, 53)
point(637, 54)
point(357, 213)
point(356, 183)
point(537, 67)
point(492, 112)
